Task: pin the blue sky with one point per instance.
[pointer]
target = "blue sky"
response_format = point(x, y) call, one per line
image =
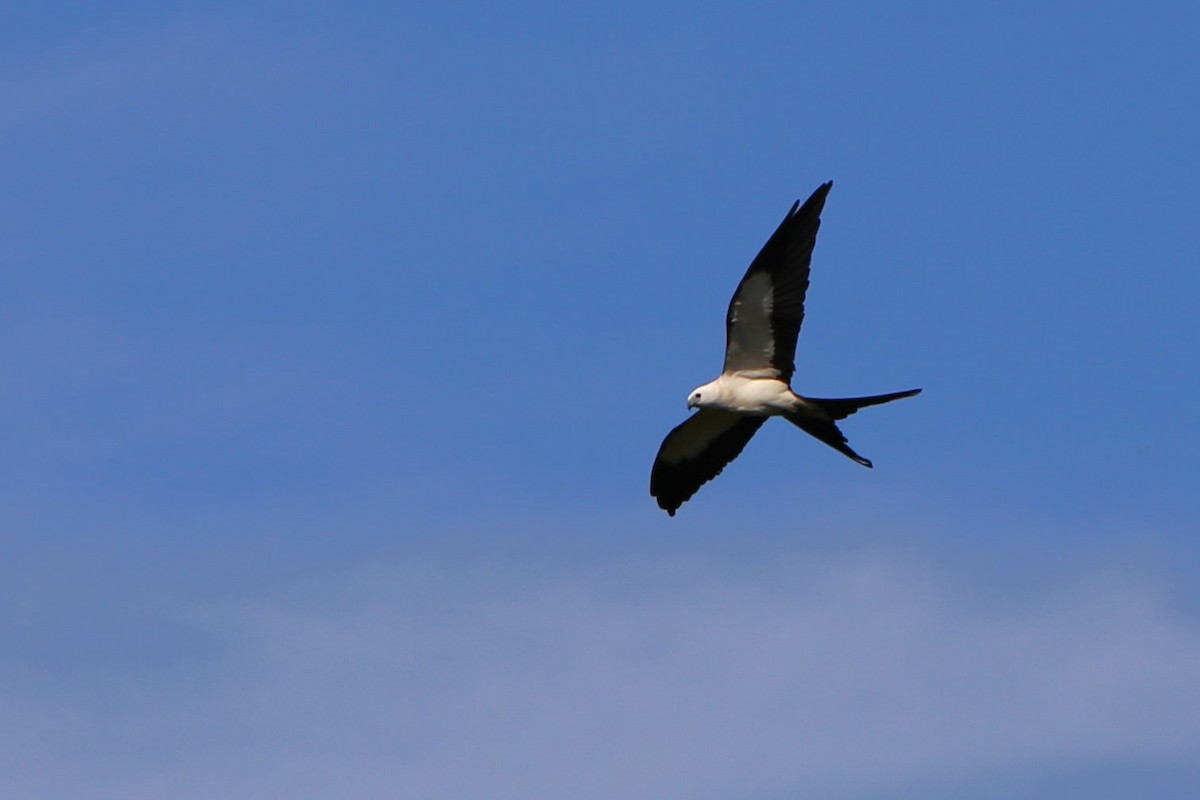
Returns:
point(338, 343)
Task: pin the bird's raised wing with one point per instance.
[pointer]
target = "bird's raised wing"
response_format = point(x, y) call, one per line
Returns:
point(696, 451)
point(763, 321)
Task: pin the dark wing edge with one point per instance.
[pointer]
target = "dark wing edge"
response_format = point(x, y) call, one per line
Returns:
point(787, 258)
point(695, 452)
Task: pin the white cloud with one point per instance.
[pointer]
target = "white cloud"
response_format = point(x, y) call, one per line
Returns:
point(671, 678)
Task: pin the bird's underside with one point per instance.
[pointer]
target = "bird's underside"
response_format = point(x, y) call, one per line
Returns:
point(762, 325)
point(697, 450)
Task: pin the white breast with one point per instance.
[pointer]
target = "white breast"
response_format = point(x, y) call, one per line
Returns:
point(766, 396)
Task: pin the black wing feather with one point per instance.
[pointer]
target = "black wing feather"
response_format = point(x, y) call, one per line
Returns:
point(696, 451)
point(786, 258)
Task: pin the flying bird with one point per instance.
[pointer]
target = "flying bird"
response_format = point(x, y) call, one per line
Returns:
point(761, 327)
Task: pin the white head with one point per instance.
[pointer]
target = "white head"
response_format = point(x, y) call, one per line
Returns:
point(706, 395)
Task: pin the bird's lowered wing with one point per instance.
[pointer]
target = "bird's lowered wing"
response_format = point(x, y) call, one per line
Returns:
point(696, 451)
point(763, 321)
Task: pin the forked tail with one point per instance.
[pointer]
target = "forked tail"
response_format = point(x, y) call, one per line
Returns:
point(845, 406)
point(828, 432)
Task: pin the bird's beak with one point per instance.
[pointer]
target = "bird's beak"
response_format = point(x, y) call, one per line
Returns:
point(691, 405)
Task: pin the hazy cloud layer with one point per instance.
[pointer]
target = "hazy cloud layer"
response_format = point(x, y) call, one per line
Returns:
point(670, 678)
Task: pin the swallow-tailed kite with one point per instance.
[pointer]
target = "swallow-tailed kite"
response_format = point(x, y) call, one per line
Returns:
point(761, 327)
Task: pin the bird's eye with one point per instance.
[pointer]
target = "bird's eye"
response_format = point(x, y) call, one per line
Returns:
point(697, 395)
